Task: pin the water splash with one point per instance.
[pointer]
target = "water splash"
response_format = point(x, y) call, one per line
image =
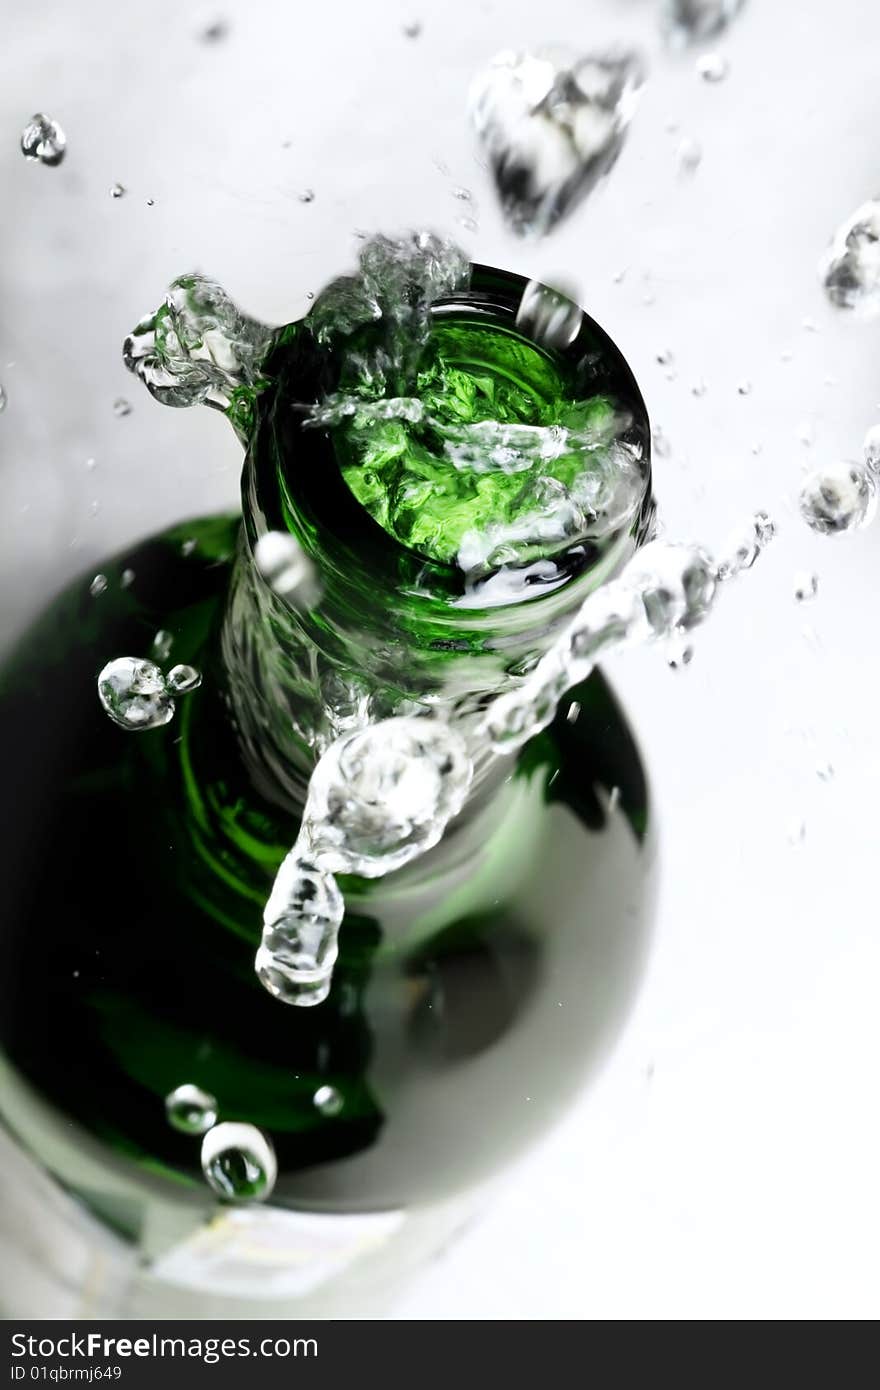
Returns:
point(197, 346)
point(43, 139)
point(239, 1162)
point(839, 498)
point(378, 798)
point(688, 22)
point(137, 696)
point(385, 794)
point(850, 269)
point(190, 1109)
point(552, 124)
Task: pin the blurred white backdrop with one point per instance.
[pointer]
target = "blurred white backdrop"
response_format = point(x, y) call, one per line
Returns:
point(725, 1164)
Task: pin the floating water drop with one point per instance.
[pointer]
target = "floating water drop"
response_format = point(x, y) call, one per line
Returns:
point(713, 67)
point(126, 579)
point(43, 139)
point(4, 399)
point(825, 772)
point(121, 406)
point(850, 269)
point(413, 28)
point(98, 585)
point(806, 587)
point(307, 195)
point(745, 545)
point(552, 124)
point(871, 448)
point(839, 498)
point(189, 547)
point(181, 680)
point(299, 944)
point(744, 388)
point(287, 569)
point(689, 156)
point(463, 195)
point(548, 315)
point(797, 832)
point(699, 389)
point(133, 693)
point(216, 31)
point(239, 1162)
point(197, 346)
point(693, 21)
point(162, 644)
point(328, 1100)
point(681, 654)
point(191, 1110)
point(665, 358)
point(117, 190)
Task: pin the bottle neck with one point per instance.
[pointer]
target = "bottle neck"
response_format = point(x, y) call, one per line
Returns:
point(394, 632)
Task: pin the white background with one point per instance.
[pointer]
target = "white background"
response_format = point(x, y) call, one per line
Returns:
point(726, 1162)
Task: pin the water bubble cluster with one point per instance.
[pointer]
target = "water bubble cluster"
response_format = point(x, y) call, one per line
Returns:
point(136, 695)
point(190, 1109)
point(43, 139)
point(197, 346)
point(552, 124)
point(239, 1163)
point(850, 269)
point(694, 21)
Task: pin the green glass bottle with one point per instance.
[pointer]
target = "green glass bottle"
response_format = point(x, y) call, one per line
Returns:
point(476, 987)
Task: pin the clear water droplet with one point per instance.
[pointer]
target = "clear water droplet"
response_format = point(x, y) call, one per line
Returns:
point(328, 1100)
point(699, 389)
point(825, 772)
point(307, 195)
point(871, 449)
point(850, 269)
point(181, 680)
point(121, 406)
point(745, 545)
point(797, 832)
point(4, 399)
point(713, 67)
point(161, 645)
point(463, 195)
point(839, 498)
point(43, 139)
point(238, 1161)
point(806, 587)
point(117, 190)
point(126, 579)
point(288, 571)
point(132, 691)
point(189, 547)
point(680, 655)
point(191, 1110)
point(744, 388)
point(551, 125)
point(413, 28)
point(688, 22)
point(299, 944)
point(216, 31)
point(98, 585)
point(689, 156)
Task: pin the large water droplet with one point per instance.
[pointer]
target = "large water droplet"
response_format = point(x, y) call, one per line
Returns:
point(328, 1100)
point(850, 270)
point(133, 693)
point(190, 1109)
point(552, 124)
point(239, 1162)
point(383, 795)
point(839, 498)
point(43, 139)
point(694, 21)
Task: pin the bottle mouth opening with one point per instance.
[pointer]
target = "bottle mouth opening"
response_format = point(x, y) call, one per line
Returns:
point(475, 481)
